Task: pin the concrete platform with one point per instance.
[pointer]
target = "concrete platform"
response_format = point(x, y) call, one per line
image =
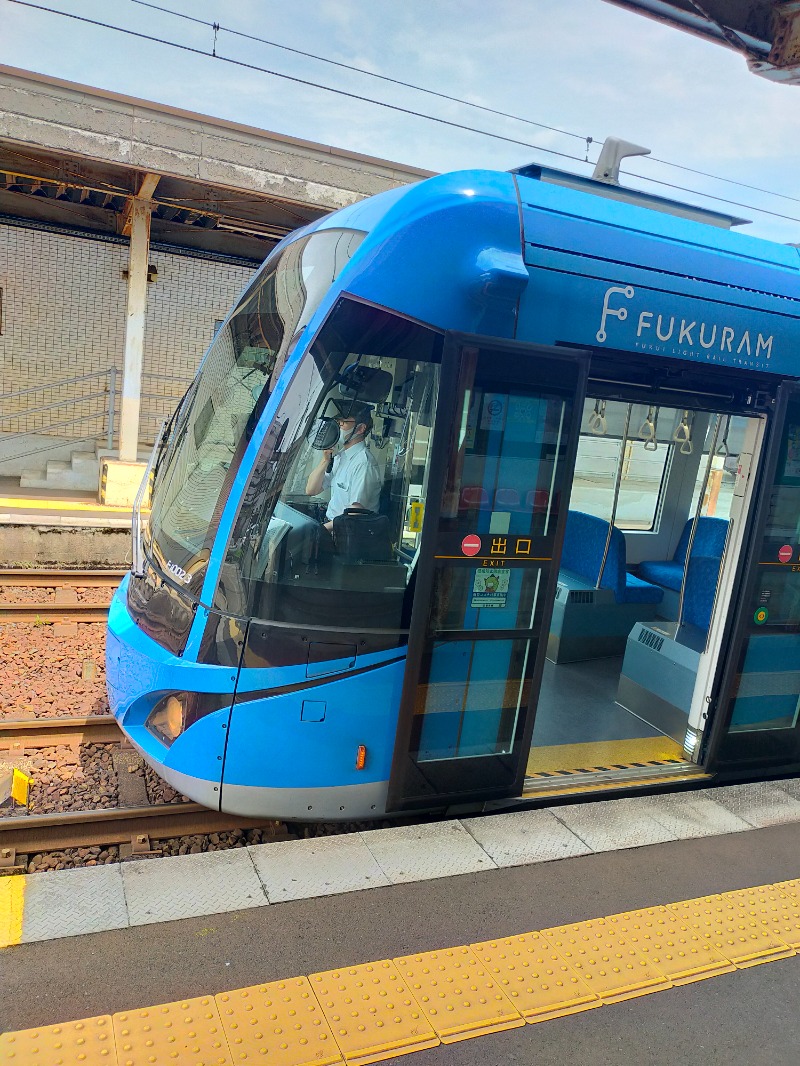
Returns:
point(212, 968)
point(43, 507)
point(67, 903)
point(461, 930)
point(52, 529)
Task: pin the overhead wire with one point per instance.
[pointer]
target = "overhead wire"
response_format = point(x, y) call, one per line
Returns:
point(359, 70)
point(215, 54)
point(442, 96)
point(294, 78)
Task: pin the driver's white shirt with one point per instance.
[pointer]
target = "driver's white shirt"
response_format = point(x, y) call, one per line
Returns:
point(355, 479)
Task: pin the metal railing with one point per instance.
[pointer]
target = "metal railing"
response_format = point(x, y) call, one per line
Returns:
point(81, 409)
point(73, 410)
point(161, 394)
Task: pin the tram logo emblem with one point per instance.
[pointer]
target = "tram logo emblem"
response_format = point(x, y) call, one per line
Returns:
point(654, 329)
point(621, 313)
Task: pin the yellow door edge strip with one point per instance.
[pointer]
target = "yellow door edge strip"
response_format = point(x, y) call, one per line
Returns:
point(379, 1010)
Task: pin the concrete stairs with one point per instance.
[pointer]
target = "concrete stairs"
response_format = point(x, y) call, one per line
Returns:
point(80, 473)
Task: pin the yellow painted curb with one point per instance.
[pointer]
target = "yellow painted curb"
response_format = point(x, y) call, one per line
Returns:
point(12, 906)
point(16, 503)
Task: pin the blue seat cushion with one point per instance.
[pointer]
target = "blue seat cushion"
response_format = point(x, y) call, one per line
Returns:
point(638, 591)
point(709, 539)
point(701, 587)
point(582, 554)
point(668, 574)
point(709, 542)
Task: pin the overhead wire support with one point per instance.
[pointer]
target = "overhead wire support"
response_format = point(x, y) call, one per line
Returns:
point(361, 70)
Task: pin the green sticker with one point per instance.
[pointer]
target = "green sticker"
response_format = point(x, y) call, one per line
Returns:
point(761, 615)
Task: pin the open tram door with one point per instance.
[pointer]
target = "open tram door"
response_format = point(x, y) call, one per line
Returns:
point(503, 451)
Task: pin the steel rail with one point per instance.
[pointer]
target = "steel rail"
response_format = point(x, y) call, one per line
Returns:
point(61, 578)
point(115, 825)
point(53, 612)
point(27, 733)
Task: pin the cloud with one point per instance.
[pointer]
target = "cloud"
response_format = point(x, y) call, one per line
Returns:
point(584, 66)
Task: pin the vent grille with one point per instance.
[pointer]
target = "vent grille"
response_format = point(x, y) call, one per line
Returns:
point(581, 596)
point(651, 640)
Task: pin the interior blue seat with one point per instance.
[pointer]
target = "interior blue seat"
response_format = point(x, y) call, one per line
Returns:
point(701, 587)
point(582, 555)
point(709, 542)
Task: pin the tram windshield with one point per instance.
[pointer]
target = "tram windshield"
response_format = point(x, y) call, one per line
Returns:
point(195, 471)
point(328, 529)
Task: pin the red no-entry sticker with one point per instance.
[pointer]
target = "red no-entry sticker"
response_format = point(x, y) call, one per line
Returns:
point(785, 553)
point(471, 545)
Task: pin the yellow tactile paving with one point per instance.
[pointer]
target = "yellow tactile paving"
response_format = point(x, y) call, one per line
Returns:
point(791, 887)
point(372, 1013)
point(680, 953)
point(458, 994)
point(608, 964)
point(280, 1023)
point(188, 1032)
point(555, 758)
point(12, 906)
point(742, 938)
point(535, 978)
point(383, 1009)
point(88, 1042)
point(775, 909)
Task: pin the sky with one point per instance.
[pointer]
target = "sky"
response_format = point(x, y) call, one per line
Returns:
point(585, 67)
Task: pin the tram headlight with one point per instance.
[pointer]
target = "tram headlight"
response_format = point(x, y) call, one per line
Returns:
point(167, 719)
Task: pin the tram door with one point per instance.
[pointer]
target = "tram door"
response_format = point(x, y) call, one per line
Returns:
point(503, 451)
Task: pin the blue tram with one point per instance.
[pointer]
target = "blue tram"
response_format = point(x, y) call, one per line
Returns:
point(569, 555)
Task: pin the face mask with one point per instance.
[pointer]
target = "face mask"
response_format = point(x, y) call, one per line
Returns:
point(346, 435)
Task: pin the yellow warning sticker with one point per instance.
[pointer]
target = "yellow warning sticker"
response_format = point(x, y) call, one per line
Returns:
point(415, 515)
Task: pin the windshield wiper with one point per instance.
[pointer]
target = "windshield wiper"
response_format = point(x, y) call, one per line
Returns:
point(137, 551)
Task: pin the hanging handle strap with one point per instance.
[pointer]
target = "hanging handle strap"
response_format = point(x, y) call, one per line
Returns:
point(597, 419)
point(648, 430)
point(683, 435)
point(723, 449)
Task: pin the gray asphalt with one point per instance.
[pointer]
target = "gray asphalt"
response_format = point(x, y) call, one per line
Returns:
point(751, 1017)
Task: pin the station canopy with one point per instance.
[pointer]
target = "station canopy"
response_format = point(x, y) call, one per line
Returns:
point(766, 32)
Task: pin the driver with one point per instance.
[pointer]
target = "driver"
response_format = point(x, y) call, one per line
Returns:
point(352, 474)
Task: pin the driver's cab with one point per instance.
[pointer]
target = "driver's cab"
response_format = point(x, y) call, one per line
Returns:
point(298, 562)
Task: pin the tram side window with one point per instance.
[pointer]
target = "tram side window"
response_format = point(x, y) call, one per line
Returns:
point(641, 457)
point(718, 494)
point(328, 529)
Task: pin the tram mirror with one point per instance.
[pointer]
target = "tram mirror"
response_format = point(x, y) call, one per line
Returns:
point(366, 383)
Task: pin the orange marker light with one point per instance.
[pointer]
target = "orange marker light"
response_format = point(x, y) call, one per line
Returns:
point(361, 757)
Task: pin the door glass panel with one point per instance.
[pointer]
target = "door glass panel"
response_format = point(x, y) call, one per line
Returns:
point(768, 683)
point(473, 697)
point(487, 574)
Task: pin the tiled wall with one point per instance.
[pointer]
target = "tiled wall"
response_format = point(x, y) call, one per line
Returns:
point(63, 315)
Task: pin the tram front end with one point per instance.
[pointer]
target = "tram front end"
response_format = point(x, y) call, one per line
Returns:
point(256, 653)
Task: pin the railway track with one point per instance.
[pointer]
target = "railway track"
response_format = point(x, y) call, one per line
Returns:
point(30, 734)
point(129, 827)
point(65, 607)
